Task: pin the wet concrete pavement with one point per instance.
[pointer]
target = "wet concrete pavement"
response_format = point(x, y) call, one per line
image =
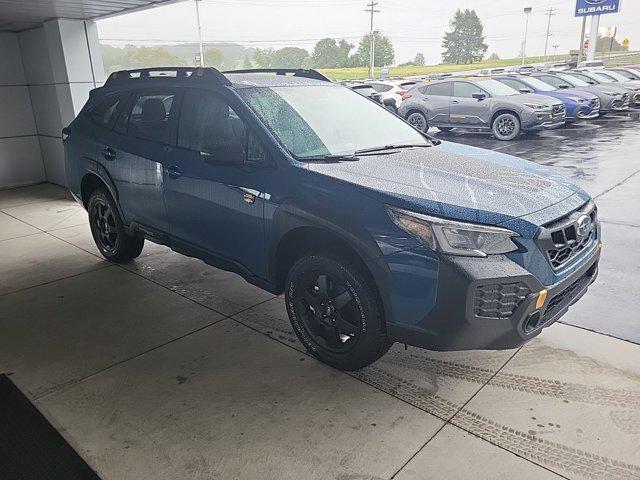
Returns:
point(603, 157)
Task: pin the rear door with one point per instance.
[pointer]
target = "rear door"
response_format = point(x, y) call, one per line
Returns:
point(214, 188)
point(436, 101)
point(466, 110)
point(136, 154)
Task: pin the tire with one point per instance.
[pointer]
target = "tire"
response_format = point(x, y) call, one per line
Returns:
point(108, 230)
point(445, 129)
point(336, 312)
point(418, 121)
point(506, 126)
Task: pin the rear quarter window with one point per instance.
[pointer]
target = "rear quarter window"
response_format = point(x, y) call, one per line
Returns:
point(104, 112)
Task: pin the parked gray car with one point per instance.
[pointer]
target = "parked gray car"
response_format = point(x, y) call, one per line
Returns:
point(480, 103)
point(612, 99)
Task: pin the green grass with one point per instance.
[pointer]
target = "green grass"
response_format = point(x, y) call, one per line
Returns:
point(363, 72)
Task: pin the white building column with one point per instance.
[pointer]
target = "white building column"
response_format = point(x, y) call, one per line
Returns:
point(62, 64)
point(20, 157)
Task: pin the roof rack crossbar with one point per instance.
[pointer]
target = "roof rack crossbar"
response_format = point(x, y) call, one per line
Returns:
point(296, 72)
point(207, 74)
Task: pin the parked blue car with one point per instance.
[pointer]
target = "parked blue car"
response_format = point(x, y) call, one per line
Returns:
point(579, 106)
point(375, 232)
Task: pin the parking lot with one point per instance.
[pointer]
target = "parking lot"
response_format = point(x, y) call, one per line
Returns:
point(168, 368)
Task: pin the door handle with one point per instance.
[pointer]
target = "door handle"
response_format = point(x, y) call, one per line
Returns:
point(455, 102)
point(109, 153)
point(174, 172)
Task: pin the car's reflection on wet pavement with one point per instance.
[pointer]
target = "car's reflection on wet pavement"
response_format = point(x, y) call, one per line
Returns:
point(603, 157)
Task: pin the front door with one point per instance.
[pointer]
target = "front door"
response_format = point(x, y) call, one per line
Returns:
point(214, 182)
point(468, 111)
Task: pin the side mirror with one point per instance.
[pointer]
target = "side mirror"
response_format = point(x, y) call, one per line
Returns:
point(229, 153)
point(525, 90)
point(591, 82)
point(564, 86)
point(479, 96)
point(390, 104)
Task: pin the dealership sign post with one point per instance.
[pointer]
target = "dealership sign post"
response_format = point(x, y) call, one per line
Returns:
point(595, 8)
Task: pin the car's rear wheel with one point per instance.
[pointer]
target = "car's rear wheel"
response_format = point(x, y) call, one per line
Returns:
point(108, 231)
point(336, 312)
point(418, 120)
point(445, 129)
point(506, 126)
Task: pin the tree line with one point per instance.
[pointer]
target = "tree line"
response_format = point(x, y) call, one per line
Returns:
point(462, 44)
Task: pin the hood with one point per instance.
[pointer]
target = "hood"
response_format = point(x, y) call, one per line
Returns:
point(610, 87)
point(535, 98)
point(455, 181)
point(578, 92)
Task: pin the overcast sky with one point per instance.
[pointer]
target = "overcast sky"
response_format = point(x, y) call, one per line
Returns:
point(413, 25)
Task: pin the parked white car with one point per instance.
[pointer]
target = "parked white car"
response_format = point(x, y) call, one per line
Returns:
point(392, 89)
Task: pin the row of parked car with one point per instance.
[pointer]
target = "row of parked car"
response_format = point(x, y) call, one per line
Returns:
point(509, 103)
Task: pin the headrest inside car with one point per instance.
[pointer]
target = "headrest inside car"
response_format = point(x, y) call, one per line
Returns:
point(153, 110)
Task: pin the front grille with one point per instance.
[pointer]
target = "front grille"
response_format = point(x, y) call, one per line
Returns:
point(566, 296)
point(499, 300)
point(564, 239)
point(558, 109)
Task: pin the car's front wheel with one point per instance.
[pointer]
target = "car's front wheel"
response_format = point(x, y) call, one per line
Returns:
point(506, 126)
point(418, 120)
point(336, 312)
point(108, 231)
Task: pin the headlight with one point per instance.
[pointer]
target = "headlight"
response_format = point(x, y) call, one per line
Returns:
point(535, 106)
point(576, 99)
point(453, 237)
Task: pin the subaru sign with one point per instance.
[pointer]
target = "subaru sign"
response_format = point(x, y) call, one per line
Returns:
point(596, 7)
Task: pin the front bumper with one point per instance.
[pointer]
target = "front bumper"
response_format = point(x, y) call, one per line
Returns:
point(458, 321)
point(544, 120)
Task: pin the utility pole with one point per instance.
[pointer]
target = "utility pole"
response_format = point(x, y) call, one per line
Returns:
point(581, 46)
point(527, 11)
point(372, 41)
point(550, 14)
point(199, 32)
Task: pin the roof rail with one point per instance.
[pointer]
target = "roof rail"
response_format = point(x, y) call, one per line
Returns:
point(206, 74)
point(296, 72)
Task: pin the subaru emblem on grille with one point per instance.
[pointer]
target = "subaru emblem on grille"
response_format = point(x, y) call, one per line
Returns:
point(583, 226)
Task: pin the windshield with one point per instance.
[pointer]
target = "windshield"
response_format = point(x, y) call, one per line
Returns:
point(311, 121)
point(540, 85)
point(601, 78)
point(575, 81)
point(616, 76)
point(496, 88)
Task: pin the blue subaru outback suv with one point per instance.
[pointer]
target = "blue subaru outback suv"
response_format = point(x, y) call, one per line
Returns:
point(374, 232)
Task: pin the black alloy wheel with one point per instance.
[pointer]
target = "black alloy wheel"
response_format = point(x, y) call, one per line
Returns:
point(336, 311)
point(328, 311)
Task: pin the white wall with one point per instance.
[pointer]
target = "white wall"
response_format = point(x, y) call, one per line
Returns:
point(45, 77)
point(20, 155)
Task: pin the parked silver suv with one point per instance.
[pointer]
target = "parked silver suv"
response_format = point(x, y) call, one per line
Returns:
point(480, 103)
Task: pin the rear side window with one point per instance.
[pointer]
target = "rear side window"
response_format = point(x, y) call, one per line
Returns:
point(103, 113)
point(439, 89)
point(381, 88)
point(465, 90)
point(149, 117)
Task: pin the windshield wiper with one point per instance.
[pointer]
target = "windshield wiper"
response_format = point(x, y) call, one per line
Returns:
point(393, 147)
point(345, 157)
